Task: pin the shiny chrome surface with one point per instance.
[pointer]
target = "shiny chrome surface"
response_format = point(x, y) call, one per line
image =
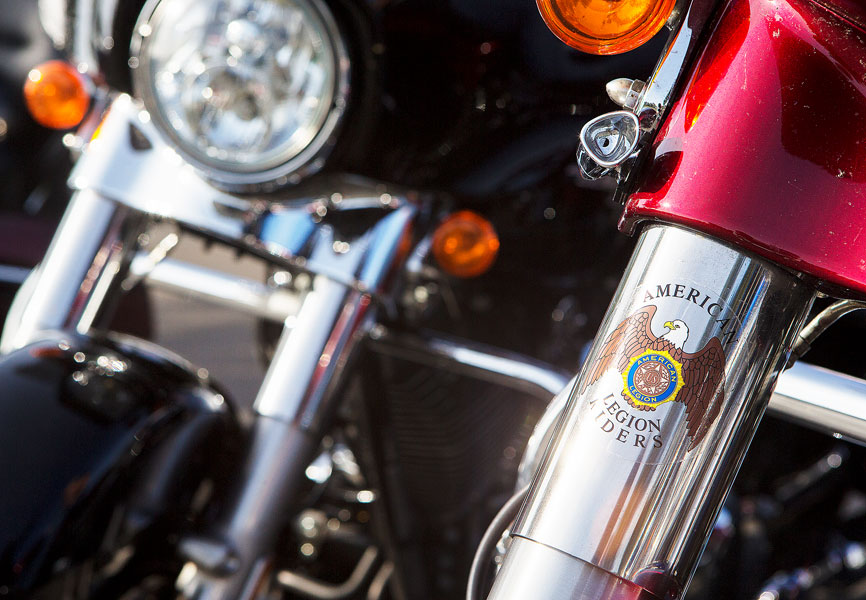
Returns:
point(87, 256)
point(130, 164)
point(312, 350)
point(536, 571)
point(53, 17)
point(292, 405)
point(823, 400)
point(606, 142)
point(656, 97)
point(127, 176)
point(148, 175)
point(223, 563)
point(474, 360)
point(660, 88)
point(541, 436)
point(297, 397)
point(648, 101)
point(252, 297)
point(310, 588)
point(625, 92)
point(606, 496)
point(494, 543)
point(307, 234)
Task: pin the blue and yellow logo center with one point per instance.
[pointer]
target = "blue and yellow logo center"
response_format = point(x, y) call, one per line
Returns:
point(653, 378)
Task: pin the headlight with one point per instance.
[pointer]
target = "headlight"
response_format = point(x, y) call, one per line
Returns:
point(250, 91)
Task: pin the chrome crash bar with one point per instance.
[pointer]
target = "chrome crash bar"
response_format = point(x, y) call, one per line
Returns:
point(824, 400)
point(821, 399)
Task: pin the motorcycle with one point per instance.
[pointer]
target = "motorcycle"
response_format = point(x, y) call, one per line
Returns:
point(724, 154)
point(339, 144)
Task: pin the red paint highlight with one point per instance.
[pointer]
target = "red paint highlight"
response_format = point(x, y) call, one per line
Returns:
point(766, 147)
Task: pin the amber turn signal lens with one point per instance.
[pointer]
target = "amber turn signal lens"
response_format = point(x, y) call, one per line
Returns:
point(465, 244)
point(605, 26)
point(56, 95)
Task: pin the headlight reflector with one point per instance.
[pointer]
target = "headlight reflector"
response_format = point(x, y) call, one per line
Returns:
point(250, 91)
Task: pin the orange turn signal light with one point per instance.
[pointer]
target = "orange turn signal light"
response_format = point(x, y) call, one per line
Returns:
point(465, 244)
point(605, 26)
point(56, 95)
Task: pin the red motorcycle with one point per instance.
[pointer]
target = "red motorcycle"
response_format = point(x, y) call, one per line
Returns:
point(743, 170)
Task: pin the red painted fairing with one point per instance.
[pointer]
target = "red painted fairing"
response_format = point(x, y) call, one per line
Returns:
point(766, 147)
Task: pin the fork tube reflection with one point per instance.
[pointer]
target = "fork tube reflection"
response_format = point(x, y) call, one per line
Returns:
point(88, 255)
point(291, 410)
point(658, 423)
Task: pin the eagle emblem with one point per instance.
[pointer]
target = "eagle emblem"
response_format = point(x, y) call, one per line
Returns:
point(656, 370)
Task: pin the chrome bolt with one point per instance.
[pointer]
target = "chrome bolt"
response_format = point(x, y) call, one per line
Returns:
point(626, 92)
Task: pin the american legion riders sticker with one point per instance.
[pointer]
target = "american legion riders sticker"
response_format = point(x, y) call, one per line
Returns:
point(656, 373)
point(652, 378)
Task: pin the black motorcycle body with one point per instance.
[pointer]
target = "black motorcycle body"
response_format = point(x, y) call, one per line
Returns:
point(107, 436)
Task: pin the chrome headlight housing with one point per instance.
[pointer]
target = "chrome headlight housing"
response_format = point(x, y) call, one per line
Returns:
point(250, 92)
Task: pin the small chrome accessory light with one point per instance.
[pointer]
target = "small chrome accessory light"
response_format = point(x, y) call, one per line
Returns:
point(250, 92)
point(606, 142)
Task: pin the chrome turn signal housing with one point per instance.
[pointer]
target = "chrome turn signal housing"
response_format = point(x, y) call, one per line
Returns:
point(606, 142)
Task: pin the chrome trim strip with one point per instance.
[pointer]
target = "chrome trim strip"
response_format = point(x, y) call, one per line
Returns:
point(661, 86)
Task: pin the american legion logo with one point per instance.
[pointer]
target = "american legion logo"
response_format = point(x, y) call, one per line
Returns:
point(656, 370)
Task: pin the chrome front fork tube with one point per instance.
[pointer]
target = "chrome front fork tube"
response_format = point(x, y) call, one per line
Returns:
point(88, 256)
point(231, 563)
point(657, 424)
point(297, 399)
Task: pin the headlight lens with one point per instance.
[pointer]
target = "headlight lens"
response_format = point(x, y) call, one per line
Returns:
point(251, 91)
